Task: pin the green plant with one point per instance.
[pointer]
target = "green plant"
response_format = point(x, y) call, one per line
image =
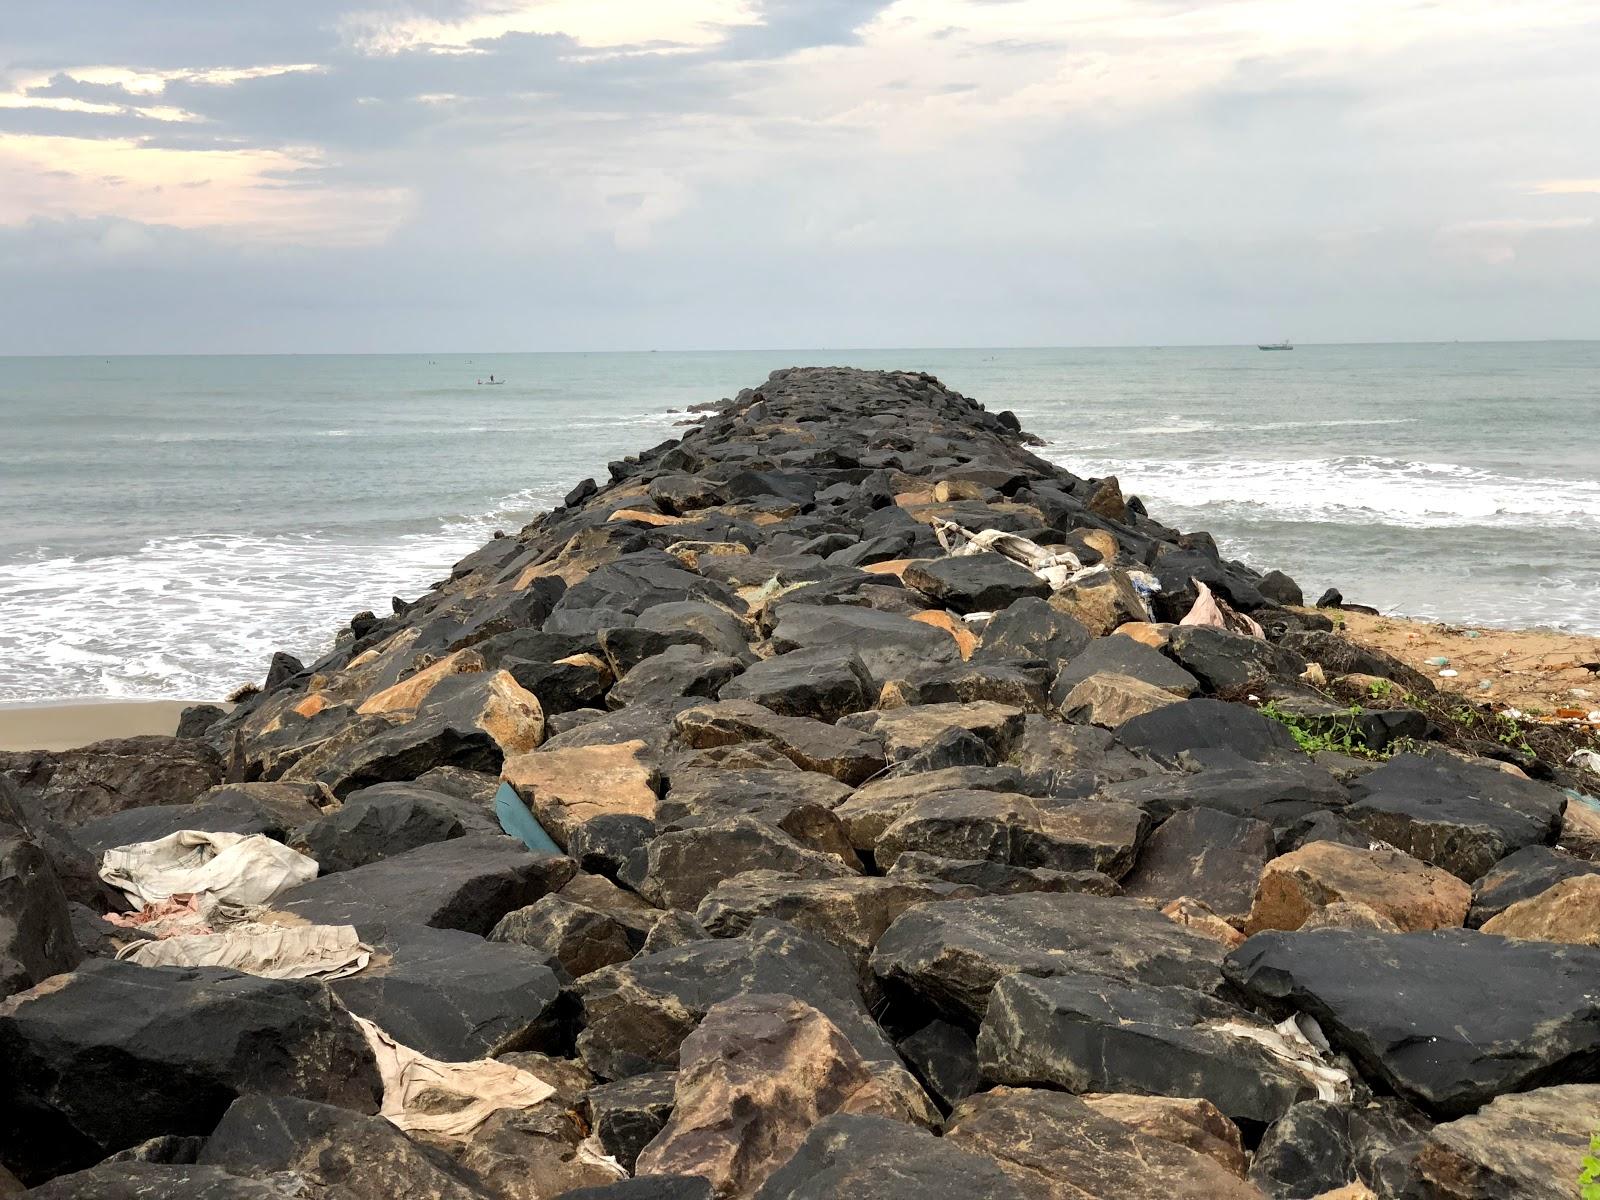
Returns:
point(1589, 1177)
point(1315, 734)
point(1379, 688)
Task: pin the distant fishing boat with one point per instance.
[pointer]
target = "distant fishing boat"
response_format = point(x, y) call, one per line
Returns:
point(1286, 344)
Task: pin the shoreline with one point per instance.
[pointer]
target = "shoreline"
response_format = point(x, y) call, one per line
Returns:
point(69, 724)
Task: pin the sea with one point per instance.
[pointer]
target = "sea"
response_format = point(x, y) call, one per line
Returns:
point(168, 522)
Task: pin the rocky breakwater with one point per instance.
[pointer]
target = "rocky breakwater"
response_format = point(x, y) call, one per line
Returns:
point(895, 813)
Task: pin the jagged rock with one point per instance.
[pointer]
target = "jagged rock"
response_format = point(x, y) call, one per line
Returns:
point(373, 828)
point(1521, 875)
point(874, 806)
point(471, 721)
point(823, 683)
point(671, 930)
point(627, 1114)
point(798, 802)
point(1029, 630)
point(1112, 701)
point(884, 1159)
point(534, 1153)
point(999, 879)
point(1102, 602)
point(1088, 1033)
point(1410, 893)
point(173, 1047)
point(74, 867)
point(1068, 835)
point(567, 788)
point(1123, 656)
point(755, 1076)
point(575, 935)
point(685, 865)
point(969, 683)
point(1522, 1147)
point(905, 731)
point(1196, 1124)
point(452, 995)
point(636, 1013)
point(717, 628)
point(631, 911)
point(1317, 1148)
point(1567, 912)
point(888, 645)
point(1494, 1014)
point(1455, 815)
point(466, 883)
point(362, 1157)
point(1281, 794)
point(676, 671)
point(843, 753)
point(1206, 724)
point(1210, 856)
point(74, 786)
point(615, 845)
point(1071, 760)
point(195, 720)
point(145, 1180)
point(952, 953)
point(968, 583)
point(1227, 662)
point(1055, 1147)
point(850, 913)
point(36, 934)
point(563, 686)
point(944, 1058)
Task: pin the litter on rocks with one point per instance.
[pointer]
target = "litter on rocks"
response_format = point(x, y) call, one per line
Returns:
point(274, 951)
point(236, 868)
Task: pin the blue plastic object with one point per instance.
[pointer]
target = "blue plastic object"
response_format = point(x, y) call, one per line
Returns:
point(521, 824)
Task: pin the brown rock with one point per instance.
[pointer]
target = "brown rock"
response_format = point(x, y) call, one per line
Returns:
point(1524, 1146)
point(74, 786)
point(414, 689)
point(640, 516)
point(567, 787)
point(1411, 893)
point(1580, 830)
point(1109, 700)
point(1107, 500)
point(690, 553)
point(1153, 635)
point(1103, 602)
point(1197, 1124)
point(1196, 915)
point(845, 754)
point(1100, 542)
point(1057, 1147)
point(1351, 914)
point(966, 641)
point(1568, 912)
point(757, 1074)
point(948, 490)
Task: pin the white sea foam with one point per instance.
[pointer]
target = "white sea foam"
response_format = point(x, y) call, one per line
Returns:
point(215, 608)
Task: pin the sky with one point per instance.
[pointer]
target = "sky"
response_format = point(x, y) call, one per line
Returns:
point(183, 176)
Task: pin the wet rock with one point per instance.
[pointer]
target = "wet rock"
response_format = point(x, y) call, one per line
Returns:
point(1211, 856)
point(452, 995)
point(1455, 815)
point(363, 1157)
point(999, 879)
point(822, 683)
point(466, 883)
point(952, 953)
point(844, 753)
point(575, 935)
point(982, 582)
point(1306, 1152)
point(1056, 1147)
point(1112, 701)
point(566, 788)
point(173, 1046)
point(636, 1013)
point(1196, 1124)
point(685, 865)
point(628, 1114)
point(756, 1075)
point(1493, 1014)
point(373, 828)
point(74, 786)
point(1411, 894)
point(850, 1155)
point(1521, 875)
point(1021, 831)
point(36, 932)
point(1567, 912)
point(944, 1058)
point(1526, 1147)
point(1086, 1033)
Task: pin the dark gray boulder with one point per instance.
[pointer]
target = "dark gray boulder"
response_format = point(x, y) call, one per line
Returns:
point(74, 786)
point(1282, 794)
point(820, 683)
point(1214, 857)
point(235, 813)
point(846, 754)
point(646, 1187)
point(1448, 1019)
point(1205, 724)
point(149, 1181)
point(1071, 760)
point(626, 1114)
point(675, 672)
point(578, 937)
point(943, 1057)
point(1227, 662)
point(465, 883)
point(1521, 875)
point(971, 583)
point(800, 803)
point(373, 828)
point(615, 845)
point(173, 1047)
point(687, 864)
point(888, 645)
point(952, 953)
point(1118, 655)
point(999, 879)
point(1029, 630)
point(36, 934)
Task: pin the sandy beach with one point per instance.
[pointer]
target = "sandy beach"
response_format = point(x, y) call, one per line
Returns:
point(77, 723)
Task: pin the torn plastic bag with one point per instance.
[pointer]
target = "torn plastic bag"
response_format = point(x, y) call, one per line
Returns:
point(957, 541)
point(1212, 611)
point(444, 1098)
point(275, 951)
point(520, 823)
point(245, 869)
point(1298, 1043)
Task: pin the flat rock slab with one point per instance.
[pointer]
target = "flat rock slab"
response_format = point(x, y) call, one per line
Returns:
point(172, 1048)
point(970, 583)
point(1056, 1147)
point(846, 754)
point(1456, 815)
point(452, 995)
point(1280, 794)
point(952, 953)
point(1210, 856)
point(1085, 1033)
point(1519, 1147)
point(228, 813)
point(823, 683)
point(467, 883)
point(1448, 1019)
point(888, 645)
point(1205, 724)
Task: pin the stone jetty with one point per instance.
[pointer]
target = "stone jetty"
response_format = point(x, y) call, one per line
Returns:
point(838, 801)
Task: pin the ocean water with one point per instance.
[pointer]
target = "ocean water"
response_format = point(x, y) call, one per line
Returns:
point(166, 523)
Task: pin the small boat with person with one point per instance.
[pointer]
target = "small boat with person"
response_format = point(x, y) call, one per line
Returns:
point(490, 380)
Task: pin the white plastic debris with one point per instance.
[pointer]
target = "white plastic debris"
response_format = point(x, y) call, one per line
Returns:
point(1449, 673)
point(1298, 1043)
point(274, 951)
point(1587, 759)
point(236, 868)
